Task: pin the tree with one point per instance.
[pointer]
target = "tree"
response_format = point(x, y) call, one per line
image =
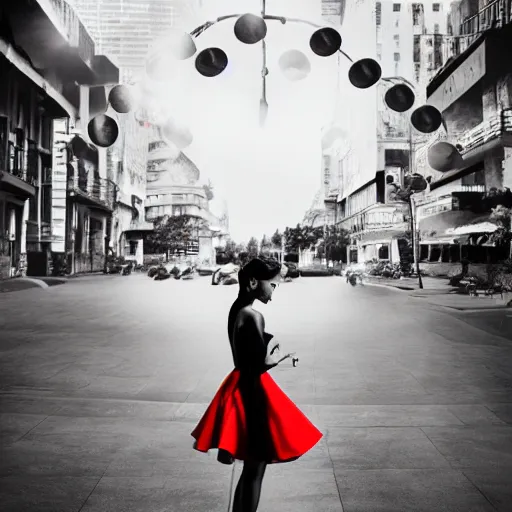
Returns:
point(301, 238)
point(335, 243)
point(172, 234)
point(265, 245)
point(503, 235)
point(277, 238)
point(252, 248)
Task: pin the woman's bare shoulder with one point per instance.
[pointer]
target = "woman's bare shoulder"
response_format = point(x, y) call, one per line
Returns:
point(248, 314)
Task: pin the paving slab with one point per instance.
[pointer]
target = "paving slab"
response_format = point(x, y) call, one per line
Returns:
point(406, 490)
point(45, 493)
point(160, 493)
point(473, 447)
point(383, 448)
point(494, 484)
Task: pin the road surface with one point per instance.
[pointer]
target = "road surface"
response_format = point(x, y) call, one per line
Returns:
point(103, 379)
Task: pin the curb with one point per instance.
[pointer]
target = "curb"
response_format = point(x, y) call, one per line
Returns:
point(37, 282)
point(389, 287)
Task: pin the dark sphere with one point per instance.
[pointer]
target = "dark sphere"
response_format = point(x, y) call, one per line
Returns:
point(364, 73)
point(444, 157)
point(121, 99)
point(103, 131)
point(399, 98)
point(415, 182)
point(211, 62)
point(250, 29)
point(325, 42)
point(426, 119)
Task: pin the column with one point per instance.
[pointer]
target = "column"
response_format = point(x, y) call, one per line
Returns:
point(23, 248)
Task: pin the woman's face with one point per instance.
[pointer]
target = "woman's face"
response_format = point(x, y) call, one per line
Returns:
point(266, 289)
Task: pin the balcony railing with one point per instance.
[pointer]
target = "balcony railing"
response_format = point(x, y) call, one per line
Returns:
point(98, 190)
point(494, 15)
point(488, 130)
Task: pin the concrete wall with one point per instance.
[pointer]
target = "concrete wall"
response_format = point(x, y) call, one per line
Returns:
point(5, 267)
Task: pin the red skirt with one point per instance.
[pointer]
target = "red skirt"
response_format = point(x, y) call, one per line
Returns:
point(251, 418)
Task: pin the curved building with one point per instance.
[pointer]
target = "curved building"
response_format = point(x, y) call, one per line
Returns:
point(173, 188)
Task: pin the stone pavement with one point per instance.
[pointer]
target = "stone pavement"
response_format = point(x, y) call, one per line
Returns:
point(438, 292)
point(101, 383)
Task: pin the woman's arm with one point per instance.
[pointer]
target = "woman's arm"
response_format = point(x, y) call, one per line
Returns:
point(252, 345)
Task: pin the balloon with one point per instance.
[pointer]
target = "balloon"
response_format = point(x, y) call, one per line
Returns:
point(211, 62)
point(177, 133)
point(426, 119)
point(444, 157)
point(121, 99)
point(364, 73)
point(399, 98)
point(181, 45)
point(103, 130)
point(250, 29)
point(295, 65)
point(325, 42)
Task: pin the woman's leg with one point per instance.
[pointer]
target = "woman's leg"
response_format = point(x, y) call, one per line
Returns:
point(248, 489)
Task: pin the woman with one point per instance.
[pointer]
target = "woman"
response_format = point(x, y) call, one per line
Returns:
point(250, 418)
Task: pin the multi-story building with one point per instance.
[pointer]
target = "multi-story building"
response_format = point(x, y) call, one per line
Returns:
point(173, 189)
point(473, 91)
point(127, 161)
point(401, 31)
point(126, 29)
point(48, 65)
point(410, 44)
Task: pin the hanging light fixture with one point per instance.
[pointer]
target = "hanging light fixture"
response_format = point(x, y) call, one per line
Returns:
point(211, 62)
point(250, 29)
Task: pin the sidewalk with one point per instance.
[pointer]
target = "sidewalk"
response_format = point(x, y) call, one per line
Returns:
point(438, 292)
point(17, 284)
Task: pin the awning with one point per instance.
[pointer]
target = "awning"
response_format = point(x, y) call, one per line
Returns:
point(471, 162)
point(455, 223)
point(62, 106)
point(140, 226)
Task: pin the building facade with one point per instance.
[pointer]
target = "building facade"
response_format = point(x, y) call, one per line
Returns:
point(126, 29)
point(173, 189)
point(411, 44)
point(474, 93)
point(38, 171)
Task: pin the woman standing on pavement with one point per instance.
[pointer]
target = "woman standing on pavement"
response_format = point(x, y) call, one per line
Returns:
point(250, 418)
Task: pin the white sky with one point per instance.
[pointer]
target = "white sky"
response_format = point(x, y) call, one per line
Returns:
point(268, 177)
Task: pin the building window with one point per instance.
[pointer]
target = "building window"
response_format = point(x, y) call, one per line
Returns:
point(384, 252)
point(396, 57)
point(378, 12)
point(396, 7)
point(417, 11)
point(416, 49)
point(396, 37)
point(436, 28)
point(133, 247)
point(436, 7)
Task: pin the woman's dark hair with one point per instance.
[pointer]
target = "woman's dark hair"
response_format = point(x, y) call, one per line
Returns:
point(260, 268)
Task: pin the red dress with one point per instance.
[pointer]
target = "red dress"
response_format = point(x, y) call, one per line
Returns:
point(250, 417)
